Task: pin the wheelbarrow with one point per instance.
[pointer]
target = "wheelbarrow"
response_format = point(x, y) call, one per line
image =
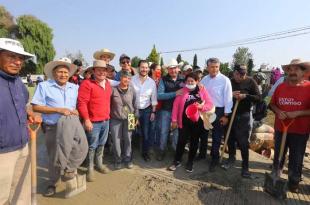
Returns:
point(274, 184)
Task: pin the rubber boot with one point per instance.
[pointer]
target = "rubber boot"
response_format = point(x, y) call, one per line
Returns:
point(99, 156)
point(90, 175)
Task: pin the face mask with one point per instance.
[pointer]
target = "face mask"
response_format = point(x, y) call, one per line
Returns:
point(191, 87)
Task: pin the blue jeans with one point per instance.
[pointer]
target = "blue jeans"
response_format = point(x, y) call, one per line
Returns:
point(164, 128)
point(147, 128)
point(99, 134)
point(217, 134)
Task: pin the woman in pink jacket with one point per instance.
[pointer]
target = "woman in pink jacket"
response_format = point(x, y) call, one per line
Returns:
point(190, 126)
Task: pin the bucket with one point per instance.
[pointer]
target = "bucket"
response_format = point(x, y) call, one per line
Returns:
point(192, 112)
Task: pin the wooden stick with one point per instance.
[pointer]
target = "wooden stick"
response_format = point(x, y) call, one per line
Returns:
point(228, 130)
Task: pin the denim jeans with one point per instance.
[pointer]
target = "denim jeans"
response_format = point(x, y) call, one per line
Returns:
point(99, 134)
point(164, 128)
point(217, 134)
point(147, 128)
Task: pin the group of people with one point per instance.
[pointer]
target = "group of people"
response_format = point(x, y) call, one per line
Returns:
point(98, 103)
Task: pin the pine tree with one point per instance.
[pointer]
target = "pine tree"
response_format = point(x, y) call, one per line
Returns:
point(250, 66)
point(154, 56)
point(179, 58)
point(195, 63)
point(161, 61)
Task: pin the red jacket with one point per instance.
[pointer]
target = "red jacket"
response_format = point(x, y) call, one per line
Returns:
point(94, 101)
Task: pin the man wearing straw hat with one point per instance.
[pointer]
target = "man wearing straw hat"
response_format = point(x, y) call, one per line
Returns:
point(14, 158)
point(291, 101)
point(54, 98)
point(94, 107)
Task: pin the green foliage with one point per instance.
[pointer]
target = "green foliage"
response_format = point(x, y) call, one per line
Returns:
point(36, 36)
point(154, 56)
point(135, 61)
point(242, 56)
point(195, 61)
point(6, 22)
point(179, 58)
point(224, 68)
point(250, 66)
point(161, 61)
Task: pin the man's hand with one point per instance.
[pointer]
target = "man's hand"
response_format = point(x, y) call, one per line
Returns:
point(224, 120)
point(174, 125)
point(292, 114)
point(74, 112)
point(64, 111)
point(179, 92)
point(281, 115)
point(88, 125)
point(152, 117)
point(34, 119)
point(239, 96)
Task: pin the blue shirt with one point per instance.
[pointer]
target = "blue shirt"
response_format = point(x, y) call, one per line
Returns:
point(50, 94)
point(13, 116)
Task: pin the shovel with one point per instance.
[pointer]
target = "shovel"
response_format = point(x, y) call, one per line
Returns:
point(274, 184)
point(33, 153)
point(228, 130)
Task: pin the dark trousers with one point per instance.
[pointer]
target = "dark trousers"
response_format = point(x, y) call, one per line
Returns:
point(296, 144)
point(217, 134)
point(203, 143)
point(240, 133)
point(147, 128)
point(190, 131)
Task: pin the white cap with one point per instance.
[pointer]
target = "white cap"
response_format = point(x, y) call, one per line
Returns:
point(14, 46)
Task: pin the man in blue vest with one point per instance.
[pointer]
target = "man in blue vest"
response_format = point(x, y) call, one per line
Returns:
point(15, 162)
point(169, 87)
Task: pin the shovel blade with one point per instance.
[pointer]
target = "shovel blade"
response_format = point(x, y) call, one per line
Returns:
point(275, 186)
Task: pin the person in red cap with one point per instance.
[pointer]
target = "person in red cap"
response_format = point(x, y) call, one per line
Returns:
point(291, 102)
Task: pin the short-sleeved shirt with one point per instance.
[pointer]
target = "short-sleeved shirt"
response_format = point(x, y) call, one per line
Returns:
point(50, 94)
point(293, 98)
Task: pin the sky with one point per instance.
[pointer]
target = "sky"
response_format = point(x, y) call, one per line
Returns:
point(134, 26)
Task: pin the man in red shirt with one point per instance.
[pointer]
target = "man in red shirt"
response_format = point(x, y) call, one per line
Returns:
point(291, 101)
point(94, 108)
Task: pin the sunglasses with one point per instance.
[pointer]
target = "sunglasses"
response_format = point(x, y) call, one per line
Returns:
point(123, 62)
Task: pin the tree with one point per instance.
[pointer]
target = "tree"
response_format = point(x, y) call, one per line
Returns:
point(179, 58)
point(77, 55)
point(36, 36)
point(135, 61)
point(6, 22)
point(242, 56)
point(224, 68)
point(154, 56)
point(250, 66)
point(161, 61)
point(195, 61)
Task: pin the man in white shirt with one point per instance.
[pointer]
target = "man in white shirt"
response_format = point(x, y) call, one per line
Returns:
point(146, 93)
point(220, 91)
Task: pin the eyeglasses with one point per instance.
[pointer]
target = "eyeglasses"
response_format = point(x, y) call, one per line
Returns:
point(123, 62)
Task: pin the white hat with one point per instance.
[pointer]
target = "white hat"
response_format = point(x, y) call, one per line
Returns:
point(187, 67)
point(49, 67)
point(101, 52)
point(98, 64)
point(14, 46)
point(173, 63)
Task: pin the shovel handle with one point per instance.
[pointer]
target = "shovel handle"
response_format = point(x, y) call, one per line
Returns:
point(33, 128)
point(283, 140)
point(228, 130)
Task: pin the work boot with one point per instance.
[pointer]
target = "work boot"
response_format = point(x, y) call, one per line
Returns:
point(245, 173)
point(160, 155)
point(229, 163)
point(293, 186)
point(90, 175)
point(212, 165)
point(99, 157)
